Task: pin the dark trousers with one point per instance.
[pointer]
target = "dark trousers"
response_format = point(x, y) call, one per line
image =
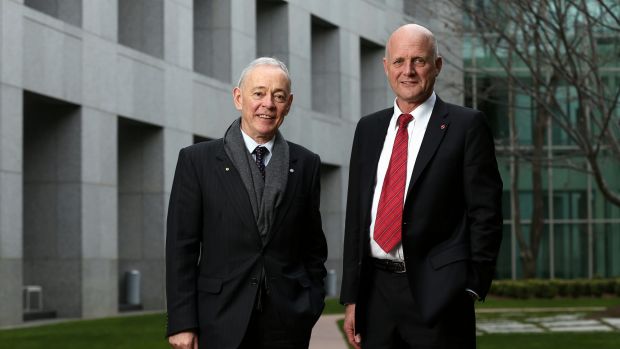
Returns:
point(393, 321)
point(266, 330)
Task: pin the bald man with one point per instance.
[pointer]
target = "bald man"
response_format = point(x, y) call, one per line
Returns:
point(423, 222)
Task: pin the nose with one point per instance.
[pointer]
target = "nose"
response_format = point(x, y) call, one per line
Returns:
point(410, 68)
point(268, 102)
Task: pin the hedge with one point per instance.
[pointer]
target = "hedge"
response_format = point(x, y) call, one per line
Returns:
point(542, 288)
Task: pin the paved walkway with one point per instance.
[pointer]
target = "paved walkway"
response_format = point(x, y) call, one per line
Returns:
point(327, 335)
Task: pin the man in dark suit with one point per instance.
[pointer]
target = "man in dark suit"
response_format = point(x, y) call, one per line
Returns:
point(245, 249)
point(423, 222)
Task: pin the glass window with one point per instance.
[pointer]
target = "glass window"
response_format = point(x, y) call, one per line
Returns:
point(542, 261)
point(570, 204)
point(606, 247)
point(504, 260)
point(570, 251)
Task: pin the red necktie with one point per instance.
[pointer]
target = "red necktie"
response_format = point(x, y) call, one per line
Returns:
point(388, 224)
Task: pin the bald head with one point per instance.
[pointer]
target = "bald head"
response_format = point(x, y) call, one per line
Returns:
point(412, 32)
point(412, 64)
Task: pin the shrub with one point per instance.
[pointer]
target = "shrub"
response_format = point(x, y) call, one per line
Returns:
point(541, 288)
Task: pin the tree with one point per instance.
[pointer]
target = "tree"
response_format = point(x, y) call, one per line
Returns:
point(558, 53)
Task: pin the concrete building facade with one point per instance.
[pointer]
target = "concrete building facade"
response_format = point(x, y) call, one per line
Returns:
point(97, 98)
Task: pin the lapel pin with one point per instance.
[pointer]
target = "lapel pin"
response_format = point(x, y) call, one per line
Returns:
point(443, 126)
point(291, 170)
point(227, 169)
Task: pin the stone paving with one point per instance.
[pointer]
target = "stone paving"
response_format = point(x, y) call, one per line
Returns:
point(574, 322)
point(326, 334)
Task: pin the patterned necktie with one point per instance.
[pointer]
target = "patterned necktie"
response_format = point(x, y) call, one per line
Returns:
point(388, 224)
point(260, 153)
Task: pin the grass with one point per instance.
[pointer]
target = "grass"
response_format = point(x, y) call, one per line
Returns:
point(598, 340)
point(147, 331)
point(135, 332)
point(333, 306)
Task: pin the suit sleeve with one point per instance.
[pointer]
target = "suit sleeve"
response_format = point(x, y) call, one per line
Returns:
point(184, 227)
point(483, 193)
point(316, 244)
point(352, 230)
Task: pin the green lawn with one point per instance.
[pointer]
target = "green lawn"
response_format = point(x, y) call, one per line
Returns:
point(598, 340)
point(147, 331)
point(591, 340)
point(135, 332)
point(333, 306)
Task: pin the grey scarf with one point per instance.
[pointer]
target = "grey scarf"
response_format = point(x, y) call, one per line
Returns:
point(265, 195)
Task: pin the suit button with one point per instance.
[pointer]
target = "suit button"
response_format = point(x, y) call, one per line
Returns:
point(253, 281)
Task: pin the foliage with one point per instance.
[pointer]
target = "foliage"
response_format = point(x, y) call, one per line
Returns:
point(538, 288)
point(562, 55)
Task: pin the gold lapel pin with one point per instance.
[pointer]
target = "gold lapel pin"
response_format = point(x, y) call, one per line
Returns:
point(227, 169)
point(291, 170)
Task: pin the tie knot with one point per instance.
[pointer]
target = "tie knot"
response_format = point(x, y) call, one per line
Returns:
point(404, 120)
point(260, 151)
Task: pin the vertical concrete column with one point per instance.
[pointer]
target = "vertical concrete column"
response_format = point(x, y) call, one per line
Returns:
point(174, 141)
point(11, 160)
point(11, 251)
point(99, 55)
point(99, 263)
point(178, 31)
point(243, 35)
point(300, 66)
point(100, 17)
point(349, 75)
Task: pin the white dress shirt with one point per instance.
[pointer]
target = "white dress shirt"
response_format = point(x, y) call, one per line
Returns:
point(251, 145)
point(415, 129)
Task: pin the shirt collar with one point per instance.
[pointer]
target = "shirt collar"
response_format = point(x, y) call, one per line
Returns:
point(251, 144)
point(422, 112)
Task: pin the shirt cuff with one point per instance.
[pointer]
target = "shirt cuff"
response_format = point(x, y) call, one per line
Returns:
point(473, 293)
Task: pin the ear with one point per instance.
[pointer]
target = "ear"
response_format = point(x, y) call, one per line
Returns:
point(288, 104)
point(438, 64)
point(236, 92)
point(385, 69)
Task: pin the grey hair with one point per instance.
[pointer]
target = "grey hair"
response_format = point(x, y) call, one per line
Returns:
point(271, 61)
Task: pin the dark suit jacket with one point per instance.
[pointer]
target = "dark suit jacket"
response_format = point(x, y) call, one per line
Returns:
point(452, 223)
point(215, 255)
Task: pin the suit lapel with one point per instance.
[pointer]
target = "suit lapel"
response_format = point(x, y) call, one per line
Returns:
point(435, 131)
point(233, 185)
point(289, 194)
point(375, 143)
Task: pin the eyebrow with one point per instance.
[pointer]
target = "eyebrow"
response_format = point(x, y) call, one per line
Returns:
point(255, 88)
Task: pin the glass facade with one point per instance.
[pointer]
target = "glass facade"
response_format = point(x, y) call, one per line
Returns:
point(579, 233)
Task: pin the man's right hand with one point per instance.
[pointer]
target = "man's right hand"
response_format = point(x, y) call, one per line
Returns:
point(349, 326)
point(184, 340)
